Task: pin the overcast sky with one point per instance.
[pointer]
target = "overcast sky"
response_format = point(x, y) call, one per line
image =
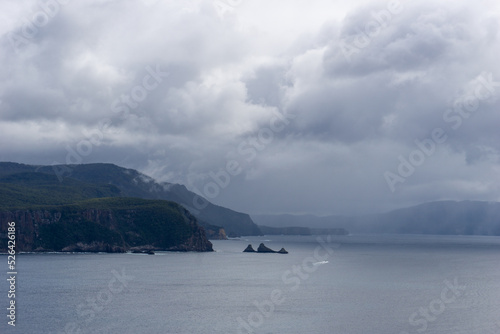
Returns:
point(262, 106)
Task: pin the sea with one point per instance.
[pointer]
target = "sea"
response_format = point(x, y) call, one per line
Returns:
point(356, 284)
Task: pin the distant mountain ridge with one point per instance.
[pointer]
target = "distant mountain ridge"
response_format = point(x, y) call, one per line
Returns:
point(109, 180)
point(440, 217)
point(297, 230)
point(306, 220)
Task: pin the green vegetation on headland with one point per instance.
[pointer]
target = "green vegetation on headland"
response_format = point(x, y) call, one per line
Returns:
point(63, 184)
point(67, 214)
point(30, 189)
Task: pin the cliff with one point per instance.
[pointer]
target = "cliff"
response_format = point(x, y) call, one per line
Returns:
point(214, 232)
point(105, 225)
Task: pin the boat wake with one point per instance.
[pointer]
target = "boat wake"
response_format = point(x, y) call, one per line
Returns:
point(319, 263)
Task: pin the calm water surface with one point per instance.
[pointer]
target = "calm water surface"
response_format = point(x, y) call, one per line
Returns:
point(351, 284)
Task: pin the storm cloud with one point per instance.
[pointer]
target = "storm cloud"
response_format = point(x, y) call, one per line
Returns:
point(261, 106)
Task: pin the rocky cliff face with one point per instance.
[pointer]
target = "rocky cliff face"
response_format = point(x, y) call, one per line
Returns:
point(30, 225)
point(216, 234)
point(197, 242)
point(27, 227)
point(101, 230)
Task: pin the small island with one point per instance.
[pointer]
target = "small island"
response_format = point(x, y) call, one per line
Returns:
point(263, 249)
point(249, 249)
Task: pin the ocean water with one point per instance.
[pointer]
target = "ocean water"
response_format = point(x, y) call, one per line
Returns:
point(349, 284)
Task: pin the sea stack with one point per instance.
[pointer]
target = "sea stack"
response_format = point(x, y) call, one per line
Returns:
point(264, 249)
point(249, 249)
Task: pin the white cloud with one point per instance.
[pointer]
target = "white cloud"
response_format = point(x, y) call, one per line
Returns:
point(229, 72)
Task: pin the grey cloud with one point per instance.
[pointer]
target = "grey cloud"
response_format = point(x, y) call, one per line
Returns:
point(353, 119)
point(266, 85)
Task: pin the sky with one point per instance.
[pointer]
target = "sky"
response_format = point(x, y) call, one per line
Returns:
point(295, 106)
